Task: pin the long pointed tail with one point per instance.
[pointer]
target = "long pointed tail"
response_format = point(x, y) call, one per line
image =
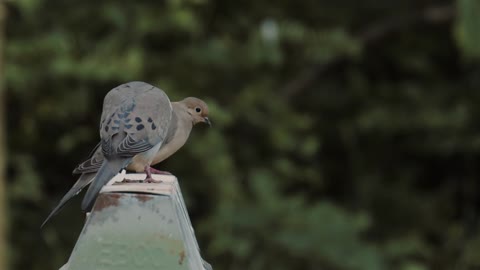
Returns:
point(107, 171)
point(82, 182)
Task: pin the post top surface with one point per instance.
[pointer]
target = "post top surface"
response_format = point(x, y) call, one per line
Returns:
point(133, 182)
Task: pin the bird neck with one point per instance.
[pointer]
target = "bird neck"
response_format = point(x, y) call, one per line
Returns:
point(181, 111)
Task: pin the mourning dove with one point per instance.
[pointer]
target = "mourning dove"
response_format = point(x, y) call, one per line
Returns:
point(139, 127)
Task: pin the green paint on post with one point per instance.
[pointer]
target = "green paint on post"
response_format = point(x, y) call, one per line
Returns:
point(137, 230)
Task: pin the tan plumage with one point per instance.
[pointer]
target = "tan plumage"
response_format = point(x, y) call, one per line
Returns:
point(162, 136)
point(184, 118)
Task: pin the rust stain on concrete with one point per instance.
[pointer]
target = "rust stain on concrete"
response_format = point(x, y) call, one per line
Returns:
point(182, 257)
point(143, 198)
point(106, 200)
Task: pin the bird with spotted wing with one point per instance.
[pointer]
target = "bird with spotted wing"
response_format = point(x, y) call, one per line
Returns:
point(119, 117)
point(122, 138)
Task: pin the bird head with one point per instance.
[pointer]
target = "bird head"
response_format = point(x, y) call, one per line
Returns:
point(197, 109)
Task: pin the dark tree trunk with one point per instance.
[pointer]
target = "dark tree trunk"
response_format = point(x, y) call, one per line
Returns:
point(3, 264)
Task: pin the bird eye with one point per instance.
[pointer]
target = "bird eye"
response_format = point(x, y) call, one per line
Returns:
point(197, 109)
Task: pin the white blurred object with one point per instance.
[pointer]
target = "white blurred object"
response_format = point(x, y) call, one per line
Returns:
point(269, 30)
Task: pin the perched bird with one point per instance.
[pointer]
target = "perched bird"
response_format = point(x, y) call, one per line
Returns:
point(139, 127)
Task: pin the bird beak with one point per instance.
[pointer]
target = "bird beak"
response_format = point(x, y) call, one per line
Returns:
point(207, 121)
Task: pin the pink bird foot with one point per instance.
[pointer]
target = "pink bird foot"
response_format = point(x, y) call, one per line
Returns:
point(155, 171)
point(149, 179)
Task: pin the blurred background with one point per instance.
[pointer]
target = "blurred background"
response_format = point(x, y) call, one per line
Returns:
point(345, 133)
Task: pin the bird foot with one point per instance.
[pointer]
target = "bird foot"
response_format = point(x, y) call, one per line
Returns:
point(151, 180)
point(155, 171)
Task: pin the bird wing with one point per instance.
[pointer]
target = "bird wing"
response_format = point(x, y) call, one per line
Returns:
point(136, 124)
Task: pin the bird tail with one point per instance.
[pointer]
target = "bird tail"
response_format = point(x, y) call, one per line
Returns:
point(107, 171)
point(82, 182)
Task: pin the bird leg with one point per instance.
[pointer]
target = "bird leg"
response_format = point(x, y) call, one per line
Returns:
point(149, 179)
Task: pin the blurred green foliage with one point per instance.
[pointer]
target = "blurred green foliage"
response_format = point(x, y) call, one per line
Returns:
point(345, 133)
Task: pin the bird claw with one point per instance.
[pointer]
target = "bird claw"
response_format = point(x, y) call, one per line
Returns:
point(151, 180)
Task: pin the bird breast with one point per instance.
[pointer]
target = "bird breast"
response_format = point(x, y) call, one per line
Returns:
point(166, 150)
point(179, 139)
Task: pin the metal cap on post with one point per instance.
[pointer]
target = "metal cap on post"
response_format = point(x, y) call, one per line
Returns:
point(138, 226)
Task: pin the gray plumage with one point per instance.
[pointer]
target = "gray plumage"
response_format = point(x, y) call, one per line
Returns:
point(124, 134)
point(139, 127)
